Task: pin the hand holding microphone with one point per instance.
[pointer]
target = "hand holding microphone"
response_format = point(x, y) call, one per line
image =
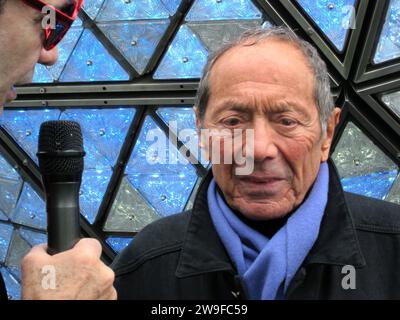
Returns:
point(79, 272)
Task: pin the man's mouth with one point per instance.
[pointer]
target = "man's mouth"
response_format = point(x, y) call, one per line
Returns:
point(11, 94)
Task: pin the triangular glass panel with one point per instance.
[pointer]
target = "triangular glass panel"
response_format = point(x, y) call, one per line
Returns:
point(32, 237)
point(362, 166)
point(132, 10)
point(392, 100)
point(216, 34)
point(153, 154)
point(3, 216)
point(24, 127)
point(185, 58)
point(203, 10)
point(129, 212)
point(65, 49)
point(6, 170)
point(137, 40)
point(389, 42)
point(6, 231)
point(118, 243)
point(182, 122)
point(171, 5)
point(18, 249)
point(94, 186)
point(91, 61)
point(104, 132)
point(334, 18)
point(12, 284)
point(42, 74)
point(30, 210)
point(10, 191)
point(92, 7)
point(159, 171)
point(394, 194)
point(374, 185)
point(168, 193)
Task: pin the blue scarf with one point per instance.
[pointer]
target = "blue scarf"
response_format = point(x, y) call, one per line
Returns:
point(267, 266)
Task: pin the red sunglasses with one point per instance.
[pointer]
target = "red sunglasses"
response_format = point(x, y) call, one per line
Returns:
point(64, 20)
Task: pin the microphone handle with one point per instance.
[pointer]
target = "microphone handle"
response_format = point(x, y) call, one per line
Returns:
point(63, 214)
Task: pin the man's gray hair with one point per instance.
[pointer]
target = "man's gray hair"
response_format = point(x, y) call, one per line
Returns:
point(322, 92)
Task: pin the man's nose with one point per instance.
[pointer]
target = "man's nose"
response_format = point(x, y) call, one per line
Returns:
point(264, 141)
point(48, 58)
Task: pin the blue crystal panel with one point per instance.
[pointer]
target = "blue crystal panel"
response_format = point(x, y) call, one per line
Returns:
point(10, 190)
point(6, 231)
point(203, 10)
point(24, 126)
point(185, 122)
point(65, 49)
point(159, 171)
point(171, 5)
point(90, 61)
point(12, 284)
point(167, 193)
point(92, 7)
point(374, 185)
point(42, 75)
point(30, 210)
point(3, 217)
point(389, 41)
point(136, 40)
point(118, 243)
point(185, 58)
point(132, 10)
point(334, 18)
point(6, 170)
point(94, 186)
point(32, 237)
point(104, 132)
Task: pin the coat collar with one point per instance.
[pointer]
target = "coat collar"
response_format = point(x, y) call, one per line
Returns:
point(337, 242)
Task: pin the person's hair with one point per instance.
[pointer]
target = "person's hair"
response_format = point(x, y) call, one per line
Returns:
point(322, 92)
point(2, 2)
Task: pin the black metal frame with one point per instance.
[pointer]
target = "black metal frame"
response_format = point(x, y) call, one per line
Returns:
point(355, 83)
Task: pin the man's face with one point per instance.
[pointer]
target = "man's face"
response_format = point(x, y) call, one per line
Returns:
point(21, 38)
point(269, 88)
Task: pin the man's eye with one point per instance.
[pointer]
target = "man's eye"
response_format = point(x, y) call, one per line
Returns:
point(288, 122)
point(231, 122)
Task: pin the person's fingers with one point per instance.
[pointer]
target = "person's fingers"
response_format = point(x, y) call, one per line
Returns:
point(89, 246)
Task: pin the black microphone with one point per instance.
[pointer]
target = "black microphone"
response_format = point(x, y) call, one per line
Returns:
point(60, 156)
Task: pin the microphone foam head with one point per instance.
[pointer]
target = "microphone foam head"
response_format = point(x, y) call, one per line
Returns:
point(60, 148)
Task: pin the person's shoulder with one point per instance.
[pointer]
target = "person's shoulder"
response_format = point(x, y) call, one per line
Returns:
point(161, 237)
point(375, 215)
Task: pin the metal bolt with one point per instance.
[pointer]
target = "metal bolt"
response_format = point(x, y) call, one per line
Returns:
point(133, 43)
point(102, 132)
point(89, 63)
point(127, 1)
point(185, 59)
point(42, 90)
point(331, 6)
point(28, 133)
point(163, 197)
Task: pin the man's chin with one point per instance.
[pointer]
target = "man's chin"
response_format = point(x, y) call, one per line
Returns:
point(263, 210)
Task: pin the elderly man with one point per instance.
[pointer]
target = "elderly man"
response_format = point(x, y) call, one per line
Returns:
point(80, 274)
point(285, 231)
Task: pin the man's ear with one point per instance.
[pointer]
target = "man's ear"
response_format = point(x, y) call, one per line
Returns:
point(330, 131)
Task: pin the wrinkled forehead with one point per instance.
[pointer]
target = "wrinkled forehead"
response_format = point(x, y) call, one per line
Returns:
point(271, 62)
